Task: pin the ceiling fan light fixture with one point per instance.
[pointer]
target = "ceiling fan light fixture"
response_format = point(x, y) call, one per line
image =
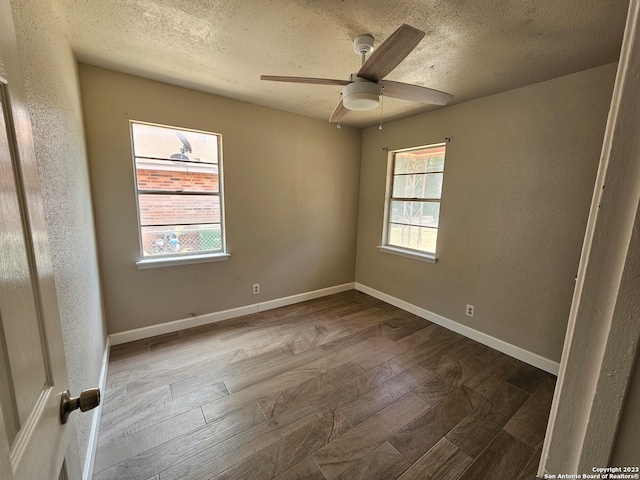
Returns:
point(361, 96)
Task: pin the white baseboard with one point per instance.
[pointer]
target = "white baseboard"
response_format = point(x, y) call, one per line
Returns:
point(495, 343)
point(177, 325)
point(90, 458)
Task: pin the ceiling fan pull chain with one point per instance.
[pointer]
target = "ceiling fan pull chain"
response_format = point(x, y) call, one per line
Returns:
point(381, 103)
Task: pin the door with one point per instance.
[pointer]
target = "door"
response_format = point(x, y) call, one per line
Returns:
point(34, 445)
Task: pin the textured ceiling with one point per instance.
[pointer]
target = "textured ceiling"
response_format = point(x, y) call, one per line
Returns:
point(472, 48)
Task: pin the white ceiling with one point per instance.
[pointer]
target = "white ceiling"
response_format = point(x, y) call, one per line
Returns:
point(472, 48)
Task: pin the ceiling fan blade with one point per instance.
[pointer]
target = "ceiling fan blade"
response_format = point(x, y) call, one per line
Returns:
point(315, 81)
point(391, 52)
point(338, 113)
point(415, 93)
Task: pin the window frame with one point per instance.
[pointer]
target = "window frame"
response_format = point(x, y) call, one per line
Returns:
point(178, 258)
point(385, 246)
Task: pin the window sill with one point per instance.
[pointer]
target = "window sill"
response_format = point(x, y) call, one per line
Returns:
point(185, 260)
point(423, 257)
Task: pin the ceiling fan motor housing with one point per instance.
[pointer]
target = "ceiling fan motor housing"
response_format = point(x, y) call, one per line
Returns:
point(363, 44)
point(361, 95)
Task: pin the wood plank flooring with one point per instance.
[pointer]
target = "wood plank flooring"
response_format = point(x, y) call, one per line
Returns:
point(344, 387)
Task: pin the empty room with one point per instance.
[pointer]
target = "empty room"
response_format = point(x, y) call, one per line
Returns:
point(319, 240)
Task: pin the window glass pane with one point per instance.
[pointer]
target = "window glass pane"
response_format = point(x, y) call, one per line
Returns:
point(420, 161)
point(435, 163)
point(426, 214)
point(162, 142)
point(159, 209)
point(173, 239)
point(176, 176)
point(410, 236)
point(426, 185)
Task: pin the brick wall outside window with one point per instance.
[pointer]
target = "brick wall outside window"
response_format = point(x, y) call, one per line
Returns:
point(167, 180)
point(160, 209)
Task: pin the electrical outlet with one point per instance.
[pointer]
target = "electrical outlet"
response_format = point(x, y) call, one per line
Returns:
point(256, 288)
point(470, 310)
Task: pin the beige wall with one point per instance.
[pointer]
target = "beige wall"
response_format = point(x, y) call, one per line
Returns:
point(519, 175)
point(51, 83)
point(291, 193)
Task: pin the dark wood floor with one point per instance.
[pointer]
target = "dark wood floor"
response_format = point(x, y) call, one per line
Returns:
point(343, 387)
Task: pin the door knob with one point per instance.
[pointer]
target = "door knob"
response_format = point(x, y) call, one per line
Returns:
point(87, 400)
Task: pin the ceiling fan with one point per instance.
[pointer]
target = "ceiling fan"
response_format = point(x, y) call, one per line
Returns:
point(363, 89)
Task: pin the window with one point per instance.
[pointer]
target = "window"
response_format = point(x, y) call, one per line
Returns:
point(412, 210)
point(178, 176)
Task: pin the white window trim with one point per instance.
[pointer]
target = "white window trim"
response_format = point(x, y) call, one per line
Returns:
point(395, 249)
point(405, 252)
point(182, 259)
